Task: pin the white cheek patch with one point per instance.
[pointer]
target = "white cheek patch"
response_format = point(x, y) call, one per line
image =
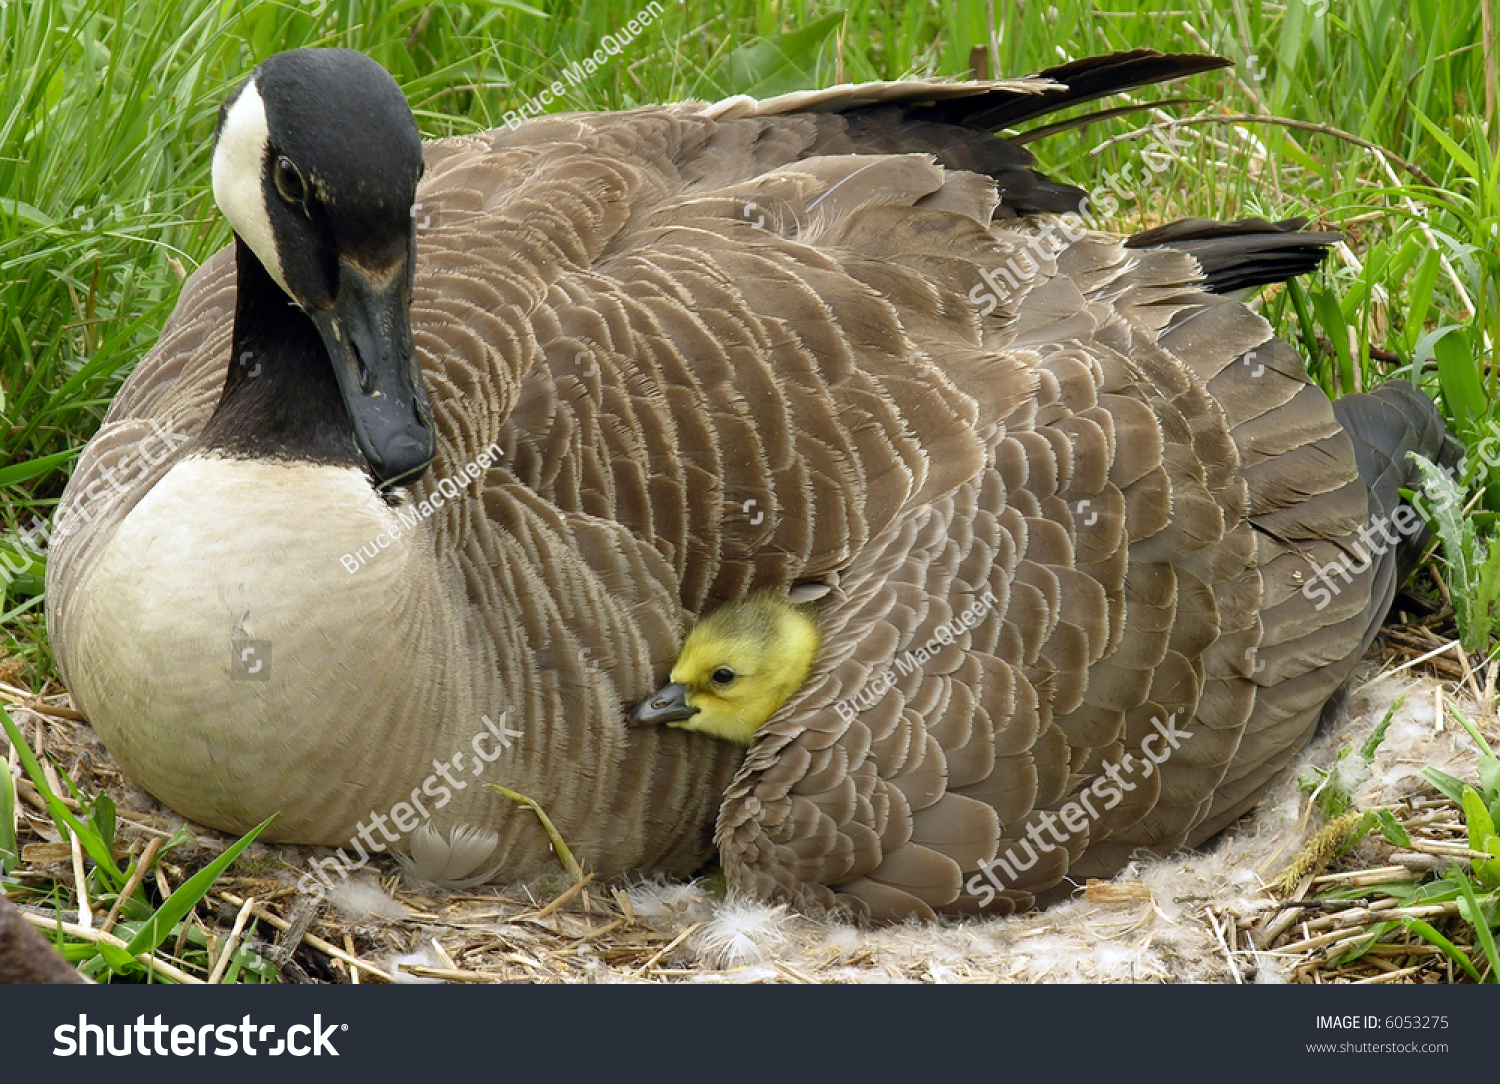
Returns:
point(239, 158)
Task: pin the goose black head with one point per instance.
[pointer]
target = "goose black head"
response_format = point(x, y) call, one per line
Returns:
point(316, 162)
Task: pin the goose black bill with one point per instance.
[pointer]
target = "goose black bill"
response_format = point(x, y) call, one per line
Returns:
point(367, 333)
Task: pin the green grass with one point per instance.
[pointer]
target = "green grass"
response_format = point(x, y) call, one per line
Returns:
point(132, 949)
point(107, 113)
point(1475, 891)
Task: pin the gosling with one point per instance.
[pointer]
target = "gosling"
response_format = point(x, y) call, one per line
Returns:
point(737, 666)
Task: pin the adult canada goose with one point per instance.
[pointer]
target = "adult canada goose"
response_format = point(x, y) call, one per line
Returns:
point(1064, 498)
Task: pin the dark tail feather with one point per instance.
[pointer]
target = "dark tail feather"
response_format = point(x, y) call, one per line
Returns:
point(1239, 255)
point(958, 131)
point(1089, 79)
point(1031, 135)
point(1384, 425)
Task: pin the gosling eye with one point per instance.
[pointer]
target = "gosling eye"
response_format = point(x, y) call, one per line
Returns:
point(288, 180)
point(722, 676)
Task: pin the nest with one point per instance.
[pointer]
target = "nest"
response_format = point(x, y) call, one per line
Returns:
point(1272, 901)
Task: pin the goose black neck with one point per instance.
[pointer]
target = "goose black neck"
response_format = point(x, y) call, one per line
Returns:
point(280, 398)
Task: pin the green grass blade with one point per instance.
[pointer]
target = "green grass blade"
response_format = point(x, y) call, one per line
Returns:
point(1459, 377)
point(10, 849)
point(1489, 764)
point(1363, 945)
point(559, 846)
point(1452, 951)
point(1451, 788)
point(1465, 161)
point(1336, 328)
point(98, 849)
point(1392, 829)
point(34, 468)
point(1372, 744)
point(175, 908)
point(1477, 919)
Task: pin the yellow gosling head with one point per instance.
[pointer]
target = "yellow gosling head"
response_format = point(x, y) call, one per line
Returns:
point(737, 666)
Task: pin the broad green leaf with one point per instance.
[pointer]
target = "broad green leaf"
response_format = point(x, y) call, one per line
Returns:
point(1481, 836)
point(1451, 788)
point(1393, 830)
point(1481, 827)
point(1445, 500)
point(1489, 776)
point(1459, 376)
point(119, 961)
point(776, 65)
point(102, 817)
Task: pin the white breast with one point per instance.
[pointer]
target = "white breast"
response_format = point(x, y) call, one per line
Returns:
point(223, 611)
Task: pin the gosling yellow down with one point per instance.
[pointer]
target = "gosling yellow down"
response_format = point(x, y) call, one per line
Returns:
point(737, 666)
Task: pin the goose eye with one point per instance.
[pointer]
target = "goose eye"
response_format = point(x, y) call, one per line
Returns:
point(288, 181)
point(722, 676)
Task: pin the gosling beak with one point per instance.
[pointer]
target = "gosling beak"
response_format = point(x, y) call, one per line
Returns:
point(368, 337)
point(668, 705)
